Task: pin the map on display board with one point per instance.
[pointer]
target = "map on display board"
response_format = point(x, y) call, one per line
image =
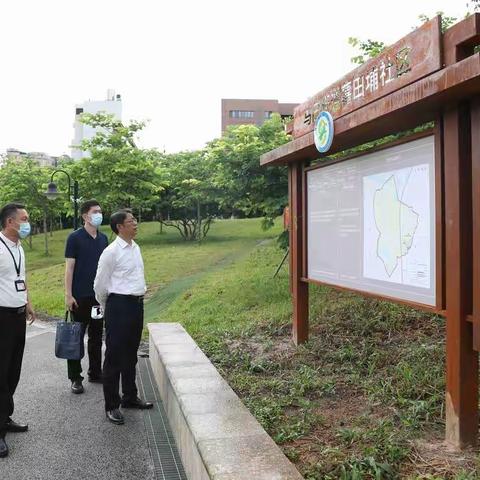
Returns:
point(371, 222)
point(396, 217)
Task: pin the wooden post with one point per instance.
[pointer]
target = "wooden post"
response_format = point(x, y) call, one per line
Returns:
point(290, 230)
point(298, 287)
point(475, 116)
point(462, 361)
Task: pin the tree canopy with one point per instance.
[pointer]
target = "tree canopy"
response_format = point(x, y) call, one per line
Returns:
point(184, 190)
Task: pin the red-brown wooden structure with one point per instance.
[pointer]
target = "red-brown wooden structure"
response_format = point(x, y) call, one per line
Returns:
point(434, 77)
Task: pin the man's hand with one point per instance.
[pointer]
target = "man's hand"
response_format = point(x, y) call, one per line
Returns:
point(30, 314)
point(71, 302)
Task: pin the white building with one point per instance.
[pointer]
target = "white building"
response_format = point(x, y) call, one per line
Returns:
point(112, 105)
point(43, 159)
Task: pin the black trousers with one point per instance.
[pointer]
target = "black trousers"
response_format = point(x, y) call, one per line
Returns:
point(95, 331)
point(12, 344)
point(123, 331)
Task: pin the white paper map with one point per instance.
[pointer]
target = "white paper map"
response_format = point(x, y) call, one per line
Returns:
point(397, 226)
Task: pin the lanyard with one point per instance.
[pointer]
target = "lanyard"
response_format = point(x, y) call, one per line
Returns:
point(17, 267)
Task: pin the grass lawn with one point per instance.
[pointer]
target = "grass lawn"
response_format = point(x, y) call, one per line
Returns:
point(363, 399)
point(171, 264)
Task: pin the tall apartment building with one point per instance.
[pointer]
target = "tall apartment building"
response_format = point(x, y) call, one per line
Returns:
point(237, 111)
point(112, 105)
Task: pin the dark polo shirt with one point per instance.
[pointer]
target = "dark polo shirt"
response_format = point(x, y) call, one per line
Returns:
point(86, 251)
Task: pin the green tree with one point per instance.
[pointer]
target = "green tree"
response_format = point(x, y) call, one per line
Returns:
point(190, 199)
point(243, 185)
point(25, 181)
point(117, 173)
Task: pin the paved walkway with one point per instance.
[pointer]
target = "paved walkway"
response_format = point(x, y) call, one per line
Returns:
point(69, 436)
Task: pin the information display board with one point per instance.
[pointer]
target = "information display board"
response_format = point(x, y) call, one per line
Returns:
point(371, 223)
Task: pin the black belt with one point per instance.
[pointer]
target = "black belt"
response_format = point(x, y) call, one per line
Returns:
point(136, 298)
point(14, 310)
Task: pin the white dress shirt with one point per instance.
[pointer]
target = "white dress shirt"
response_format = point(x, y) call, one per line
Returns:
point(9, 297)
point(120, 270)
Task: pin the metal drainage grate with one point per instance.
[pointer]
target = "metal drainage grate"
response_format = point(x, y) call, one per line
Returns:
point(165, 456)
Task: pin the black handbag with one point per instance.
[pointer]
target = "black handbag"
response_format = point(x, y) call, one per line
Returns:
point(69, 339)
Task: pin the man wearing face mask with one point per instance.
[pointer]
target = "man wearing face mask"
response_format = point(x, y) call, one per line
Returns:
point(82, 252)
point(15, 308)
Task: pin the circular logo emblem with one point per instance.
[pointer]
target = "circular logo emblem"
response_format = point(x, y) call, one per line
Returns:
point(323, 133)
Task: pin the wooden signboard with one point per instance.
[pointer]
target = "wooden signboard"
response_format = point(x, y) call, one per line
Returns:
point(341, 203)
point(411, 58)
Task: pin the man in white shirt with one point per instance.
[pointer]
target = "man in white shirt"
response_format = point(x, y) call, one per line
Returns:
point(119, 288)
point(14, 310)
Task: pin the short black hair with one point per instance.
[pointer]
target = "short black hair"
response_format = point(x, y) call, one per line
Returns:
point(86, 206)
point(8, 211)
point(118, 218)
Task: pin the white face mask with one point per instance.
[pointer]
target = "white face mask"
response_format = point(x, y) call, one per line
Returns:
point(96, 219)
point(24, 230)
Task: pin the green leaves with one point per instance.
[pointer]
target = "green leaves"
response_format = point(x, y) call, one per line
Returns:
point(111, 133)
point(368, 48)
point(117, 173)
point(25, 181)
point(243, 185)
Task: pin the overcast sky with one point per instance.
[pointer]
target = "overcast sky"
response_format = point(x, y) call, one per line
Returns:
point(172, 61)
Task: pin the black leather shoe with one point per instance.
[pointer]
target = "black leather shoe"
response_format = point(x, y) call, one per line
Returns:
point(115, 416)
point(137, 403)
point(77, 386)
point(12, 426)
point(3, 448)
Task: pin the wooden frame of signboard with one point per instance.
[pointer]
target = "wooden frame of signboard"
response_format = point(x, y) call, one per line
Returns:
point(442, 85)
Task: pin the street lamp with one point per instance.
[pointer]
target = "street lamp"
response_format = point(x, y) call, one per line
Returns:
point(52, 193)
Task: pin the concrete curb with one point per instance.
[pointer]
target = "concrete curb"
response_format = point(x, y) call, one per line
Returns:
point(218, 438)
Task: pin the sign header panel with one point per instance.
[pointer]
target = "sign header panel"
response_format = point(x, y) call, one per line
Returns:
point(411, 58)
point(371, 223)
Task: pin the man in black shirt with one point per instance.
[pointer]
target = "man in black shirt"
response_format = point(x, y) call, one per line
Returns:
point(82, 251)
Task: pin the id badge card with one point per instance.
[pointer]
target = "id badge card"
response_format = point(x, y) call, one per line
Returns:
point(20, 285)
